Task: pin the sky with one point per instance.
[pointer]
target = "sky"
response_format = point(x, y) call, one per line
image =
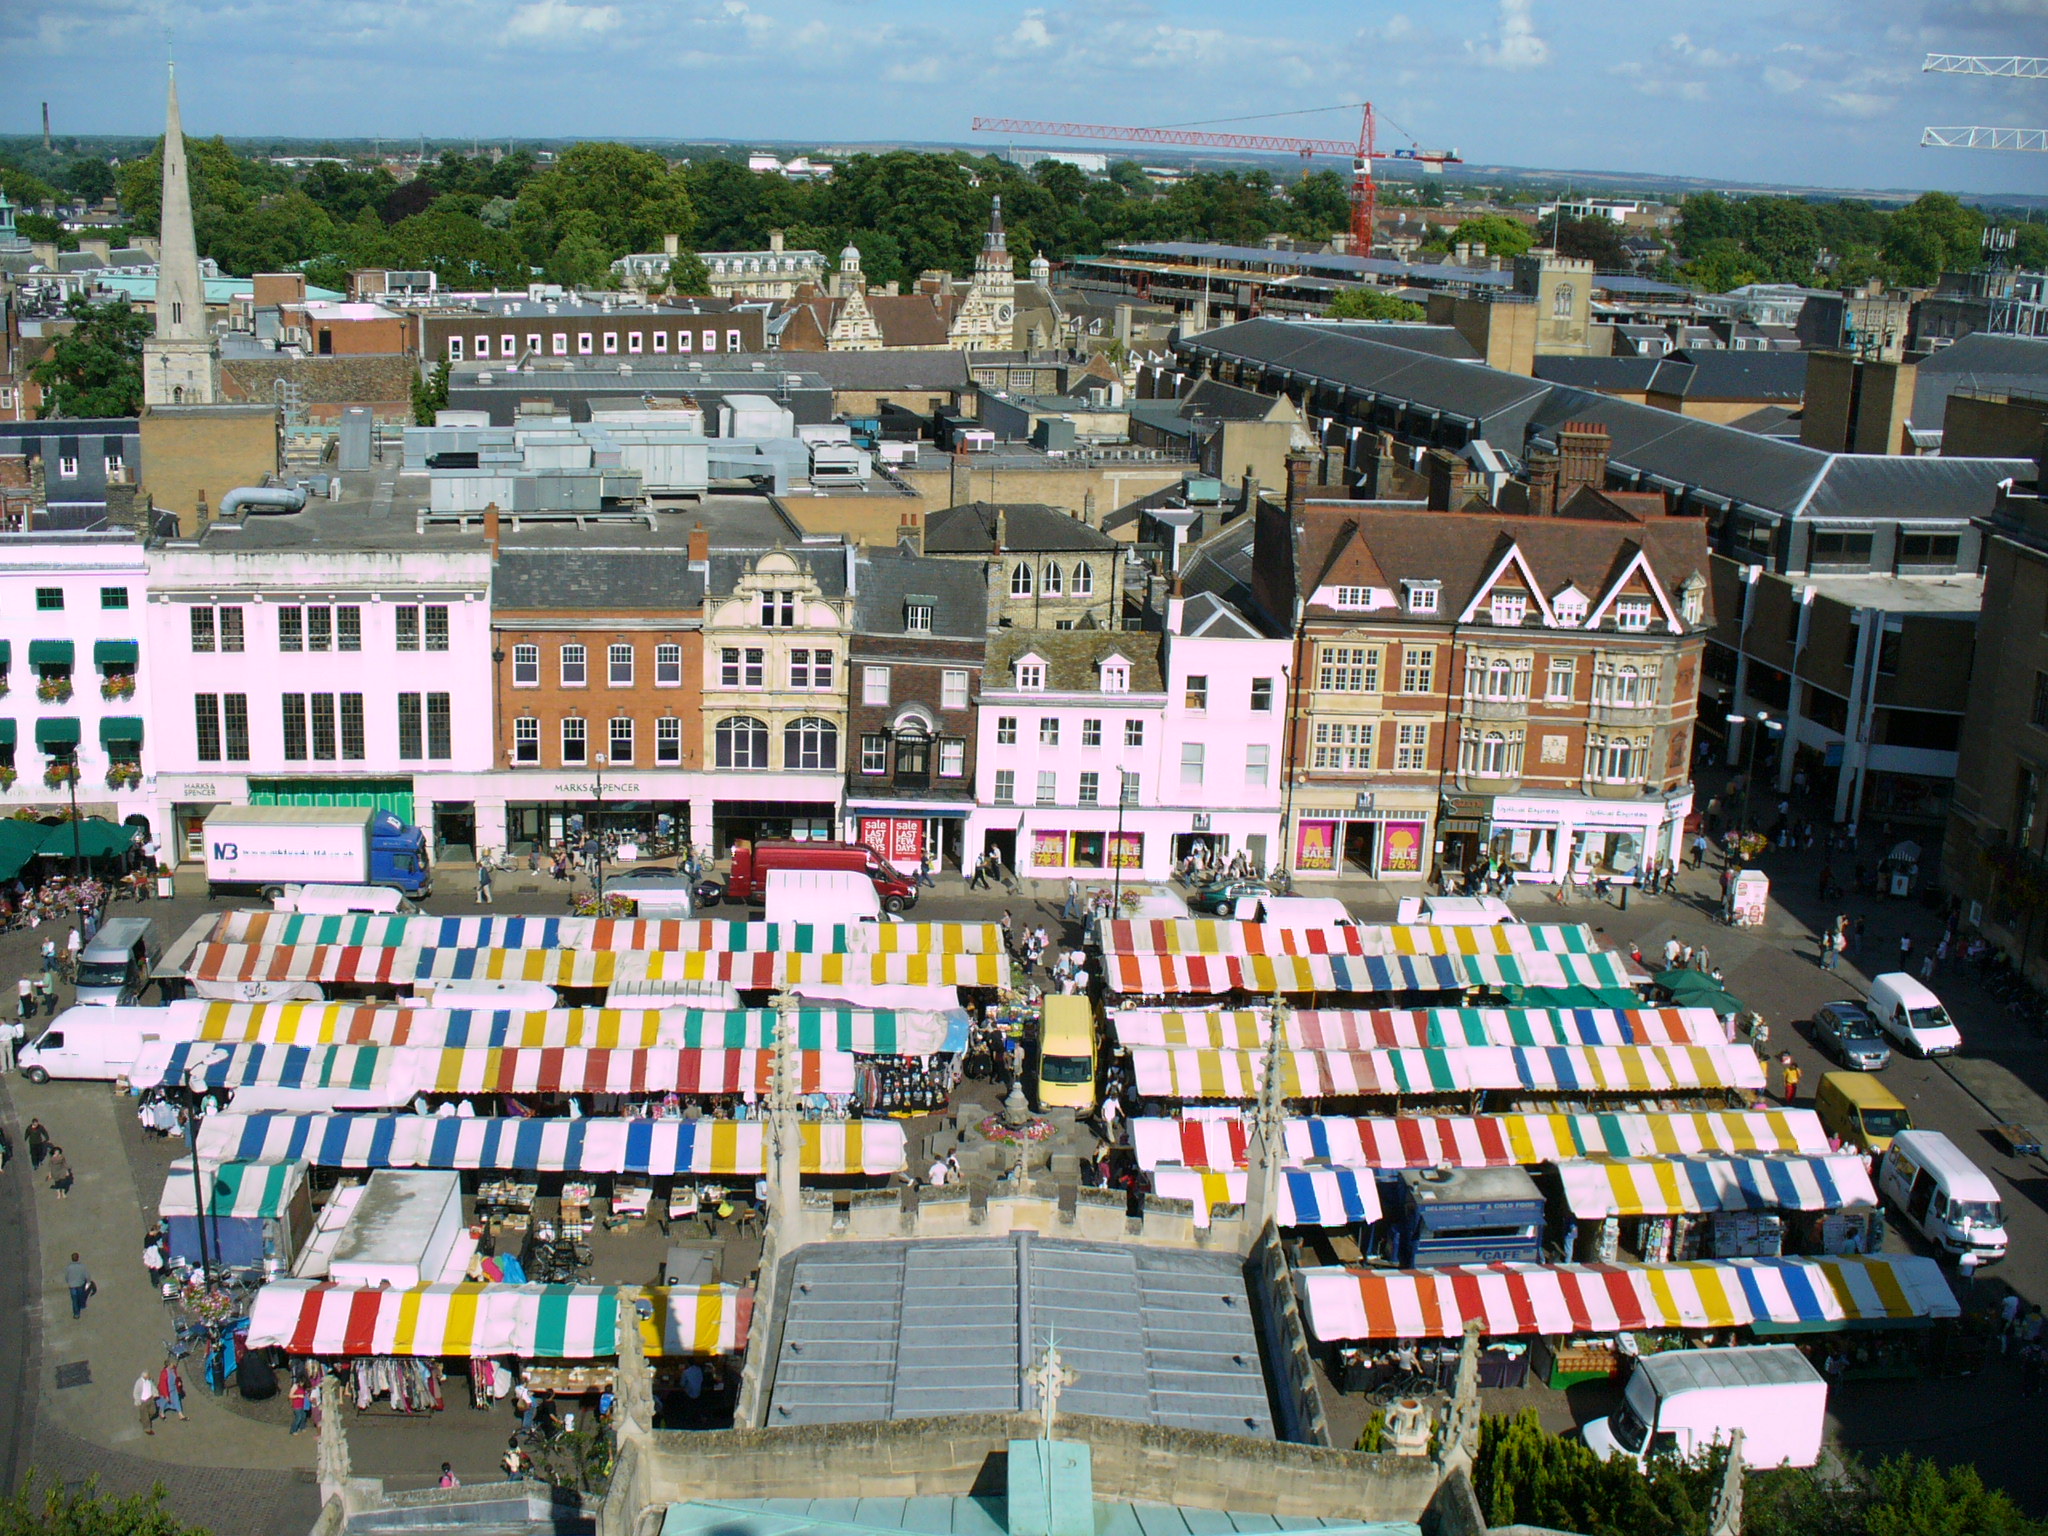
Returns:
point(1818, 92)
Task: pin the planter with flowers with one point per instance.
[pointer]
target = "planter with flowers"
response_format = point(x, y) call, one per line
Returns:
point(6, 683)
point(124, 776)
point(118, 685)
point(57, 775)
point(7, 778)
point(54, 690)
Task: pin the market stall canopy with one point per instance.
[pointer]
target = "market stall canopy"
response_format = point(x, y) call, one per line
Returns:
point(1309, 1197)
point(1219, 936)
point(1551, 1300)
point(1697, 989)
point(183, 1063)
point(658, 1148)
point(533, 1322)
point(1175, 1073)
point(97, 838)
point(1166, 974)
point(1689, 1185)
point(600, 933)
point(1484, 1141)
point(1330, 1029)
point(232, 1189)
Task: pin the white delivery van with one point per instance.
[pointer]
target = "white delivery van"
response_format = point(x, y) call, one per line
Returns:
point(1944, 1196)
point(1913, 1016)
point(114, 968)
point(1686, 1400)
point(823, 896)
point(341, 900)
point(97, 1043)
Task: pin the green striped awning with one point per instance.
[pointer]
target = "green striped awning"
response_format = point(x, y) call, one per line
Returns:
point(116, 653)
point(57, 733)
point(50, 653)
point(122, 730)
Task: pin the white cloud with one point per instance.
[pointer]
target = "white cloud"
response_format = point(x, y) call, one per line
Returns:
point(1860, 103)
point(1031, 31)
point(1781, 80)
point(1515, 45)
point(556, 21)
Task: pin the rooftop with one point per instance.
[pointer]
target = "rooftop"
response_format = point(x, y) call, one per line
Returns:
point(1903, 594)
point(980, 1515)
point(970, 529)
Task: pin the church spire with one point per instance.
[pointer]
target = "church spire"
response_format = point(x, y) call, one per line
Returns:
point(996, 240)
point(179, 364)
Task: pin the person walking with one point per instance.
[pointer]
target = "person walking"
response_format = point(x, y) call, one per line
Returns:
point(1699, 849)
point(144, 1398)
point(11, 1033)
point(302, 1405)
point(1792, 1074)
point(980, 880)
point(170, 1390)
point(38, 1141)
point(1905, 950)
point(77, 1278)
point(25, 999)
point(74, 946)
point(524, 1405)
point(49, 960)
point(60, 1174)
point(483, 883)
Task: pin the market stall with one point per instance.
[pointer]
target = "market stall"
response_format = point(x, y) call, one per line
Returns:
point(1484, 1141)
point(1309, 1197)
point(1163, 1072)
point(1328, 1029)
point(256, 1213)
point(1222, 936)
point(420, 931)
point(1721, 1207)
point(1167, 975)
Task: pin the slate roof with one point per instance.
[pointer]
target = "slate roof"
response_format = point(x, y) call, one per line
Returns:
point(1222, 565)
point(1072, 657)
point(1715, 374)
point(1604, 375)
point(1437, 340)
point(1993, 364)
point(984, 1515)
point(906, 1329)
point(890, 368)
point(1208, 617)
point(892, 577)
point(970, 529)
point(826, 566)
point(596, 580)
point(1218, 401)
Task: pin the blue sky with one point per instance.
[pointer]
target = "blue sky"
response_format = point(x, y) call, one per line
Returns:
point(1826, 92)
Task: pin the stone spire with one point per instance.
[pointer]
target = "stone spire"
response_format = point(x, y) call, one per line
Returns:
point(996, 240)
point(180, 364)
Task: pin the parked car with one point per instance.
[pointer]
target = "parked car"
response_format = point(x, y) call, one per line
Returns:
point(1221, 899)
point(1847, 1032)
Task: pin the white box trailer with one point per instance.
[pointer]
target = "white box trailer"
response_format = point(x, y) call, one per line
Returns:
point(1687, 1400)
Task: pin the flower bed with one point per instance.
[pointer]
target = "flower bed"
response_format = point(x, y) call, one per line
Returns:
point(996, 1128)
point(587, 905)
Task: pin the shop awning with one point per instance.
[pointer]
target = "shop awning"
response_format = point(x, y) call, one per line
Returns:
point(533, 1322)
point(636, 1073)
point(232, 1189)
point(607, 934)
point(1385, 1029)
point(362, 1068)
point(1520, 1300)
point(50, 653)
point(1222, 936)
point(6, 733)
point(121, 731)
point(1683, 1185)
point(57, 733)
point(659, 1148)
point(1309, 1197)
point(116, 653)
point(1178, 1073)
point(96, 838)
point(1166, 974)
point(19, 841)
point(1486, 1141)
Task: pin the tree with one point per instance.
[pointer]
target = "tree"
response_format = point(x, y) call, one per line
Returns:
point(50, 1510)
point(41, 228)
point(604, 201)
point(95, 369)
point(1368, 304)
point(1596, 239)
point(429, 395)
point(23, 189)
point(91, 179)
point(1932, 234)
point(1502, 236)
point(687, 274)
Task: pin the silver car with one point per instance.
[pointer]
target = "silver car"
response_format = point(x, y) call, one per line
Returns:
point(1847, 1032)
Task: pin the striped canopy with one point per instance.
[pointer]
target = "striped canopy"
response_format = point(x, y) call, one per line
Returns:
point(1330, 1029)
point(586, 933)
point(232, 1189)
point(1485, 1141)
point(590, 968)
point(656, 1148)
point(1170, 1073)
point(1221, 936)
point(1166, 974)
point(642, 1073)
point(1309, 1197)
point(1685, 1185)
point(356, 1068)
point(534, 1322)
point(1511, 1300)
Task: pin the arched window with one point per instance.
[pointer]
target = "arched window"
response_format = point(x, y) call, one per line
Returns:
point(178, 395)
point(808, 743)
point(1020, 580)
point(1084, 580)
point(1499, 679)
point(913, 751)
point(1053, 585)
point(1493, 755)
point(742, 742)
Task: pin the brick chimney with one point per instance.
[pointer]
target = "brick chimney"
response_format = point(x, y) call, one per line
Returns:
point(491, 530)
point(1299, 467)
point(1582, 449)
point(1002, 530)
point(1542, 474)
point(700, 544)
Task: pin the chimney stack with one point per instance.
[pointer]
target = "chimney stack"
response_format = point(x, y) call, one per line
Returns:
point(700, 544)
point(1582, 449)
point(1002, 530)
point(671, 246)
point(1298, 467)
point(1543, 472)
point(491, 530)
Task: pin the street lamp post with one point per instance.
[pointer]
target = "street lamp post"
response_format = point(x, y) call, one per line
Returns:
point(597, 840)
point(194, 1075)
point(1764, 725)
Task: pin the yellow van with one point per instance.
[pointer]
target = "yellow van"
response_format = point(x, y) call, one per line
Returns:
point(1860, 1110)
point(1066, 1055)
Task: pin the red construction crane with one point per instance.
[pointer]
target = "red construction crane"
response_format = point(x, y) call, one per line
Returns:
point(1362, 154)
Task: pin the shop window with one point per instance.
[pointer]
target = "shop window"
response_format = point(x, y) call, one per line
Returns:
point(525, 666)
point(526, 741)
point(741, 742)
point(575, 741)
point(810, 743)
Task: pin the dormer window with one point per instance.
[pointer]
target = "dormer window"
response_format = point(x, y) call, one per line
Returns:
point(917, 618)
point(1116, 677)
point(1692, 600)
point(1569, 607)
point(1422, 596)
point(1031, 675)
point(1632, 613)
point(1351, 597)
point(1509, 609)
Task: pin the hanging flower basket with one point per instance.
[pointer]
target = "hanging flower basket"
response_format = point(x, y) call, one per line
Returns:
point(54, 690)
point(5, 685)
point(124, 776)
point(120, 686)
point(7, 778)
point(996, 1128)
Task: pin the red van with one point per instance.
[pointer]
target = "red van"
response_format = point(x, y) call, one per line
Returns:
point(752, 861)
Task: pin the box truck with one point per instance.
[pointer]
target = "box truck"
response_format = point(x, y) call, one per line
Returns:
point(266, 848)
point(1466, 1216)
point(751, 863)
point(1685, 1400)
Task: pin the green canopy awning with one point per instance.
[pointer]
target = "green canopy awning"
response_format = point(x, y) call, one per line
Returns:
point(1696, 989)
point(116, 653)
point(121, 730)
point(18, 843)
point(60, 732)
point(6, 654)
point(50, 653)
point(6, 733)
point(98, 838)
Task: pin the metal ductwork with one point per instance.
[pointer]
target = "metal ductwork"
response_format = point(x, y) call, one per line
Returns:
point(262, 498)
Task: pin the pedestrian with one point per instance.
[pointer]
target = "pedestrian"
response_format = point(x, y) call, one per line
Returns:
point(483, 883)
point(1927, 966)
point(144, 1397)
point(77, 1278)
point(924, 872)
point(513, 1461)
point(1671, 948)
point(49, 958)
point(38, 1141)
point(980, 880)
point(73, 947)
point(153, 1261)
point(524, 1405)
point(11, 1034)
point(302, 1404)
point(1790, 1069)
point(1007, 923)
point(47, 990)
point(25, 999)
point(1072, 908)
point(448, 1477)
point(1827, 951)
point(170, 1390)
point(60, 1174)
point(1905, 949)
point(1699, 849)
